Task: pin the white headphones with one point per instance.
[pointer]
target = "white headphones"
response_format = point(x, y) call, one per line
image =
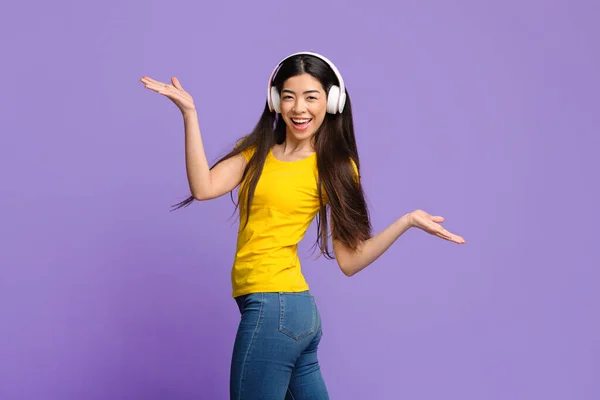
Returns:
point(336, 97)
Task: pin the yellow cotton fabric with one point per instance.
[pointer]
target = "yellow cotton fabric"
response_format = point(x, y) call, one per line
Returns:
point(285, 203)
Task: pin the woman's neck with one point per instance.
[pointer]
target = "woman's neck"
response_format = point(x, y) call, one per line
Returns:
point(293, 146)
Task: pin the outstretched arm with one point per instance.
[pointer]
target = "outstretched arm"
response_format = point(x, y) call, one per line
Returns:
point(353, 261)
point(204, 183)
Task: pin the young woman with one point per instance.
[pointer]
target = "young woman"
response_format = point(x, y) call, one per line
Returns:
point(299, 162)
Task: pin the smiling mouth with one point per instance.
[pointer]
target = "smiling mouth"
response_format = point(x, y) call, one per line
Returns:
point(301, 121)
point(300, 124)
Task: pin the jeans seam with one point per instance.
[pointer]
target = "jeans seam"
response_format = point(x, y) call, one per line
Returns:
point(290, 392)
point(242, 373)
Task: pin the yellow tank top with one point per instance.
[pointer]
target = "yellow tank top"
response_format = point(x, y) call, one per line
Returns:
point(285, 203)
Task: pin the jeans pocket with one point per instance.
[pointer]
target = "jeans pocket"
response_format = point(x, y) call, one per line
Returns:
point(297, 315)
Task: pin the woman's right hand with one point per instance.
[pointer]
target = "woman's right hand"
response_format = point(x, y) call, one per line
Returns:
point(175, 92)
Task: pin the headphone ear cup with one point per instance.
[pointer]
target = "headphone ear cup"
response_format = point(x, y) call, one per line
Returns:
point(275, 100)
point(332, 99)
point(342, 102)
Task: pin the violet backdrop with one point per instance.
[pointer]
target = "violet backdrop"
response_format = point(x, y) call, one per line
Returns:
point(484, 112)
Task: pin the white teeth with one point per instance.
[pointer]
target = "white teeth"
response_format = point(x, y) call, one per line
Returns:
point(300, 121)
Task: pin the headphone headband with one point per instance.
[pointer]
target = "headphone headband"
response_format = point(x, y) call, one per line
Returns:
point(338, 101)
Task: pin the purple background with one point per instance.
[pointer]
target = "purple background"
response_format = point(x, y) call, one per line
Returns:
point(487, 114)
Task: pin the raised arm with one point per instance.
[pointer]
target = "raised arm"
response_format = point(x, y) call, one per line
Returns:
point(204, 183)
point(353, 261)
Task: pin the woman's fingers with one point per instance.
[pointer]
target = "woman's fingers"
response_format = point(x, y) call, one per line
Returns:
point(173, 92)
point(432, 225)
point(443, 233)
point(154, 84)
point(457, 239)
point(147, 79)
point(176, 83)
point(164, 89)
point(454, 238)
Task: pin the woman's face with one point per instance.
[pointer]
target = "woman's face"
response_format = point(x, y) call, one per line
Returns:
point(303, 105)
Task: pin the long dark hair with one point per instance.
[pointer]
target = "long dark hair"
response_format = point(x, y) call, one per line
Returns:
point(336, 149)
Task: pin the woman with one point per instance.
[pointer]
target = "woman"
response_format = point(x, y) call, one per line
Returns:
point(299, 162)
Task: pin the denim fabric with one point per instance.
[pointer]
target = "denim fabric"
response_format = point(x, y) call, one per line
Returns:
point(275, 349)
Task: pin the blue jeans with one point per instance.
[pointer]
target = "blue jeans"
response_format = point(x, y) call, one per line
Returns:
point(275, 349)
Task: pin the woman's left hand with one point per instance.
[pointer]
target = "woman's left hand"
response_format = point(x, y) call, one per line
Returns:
point(431, 224)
